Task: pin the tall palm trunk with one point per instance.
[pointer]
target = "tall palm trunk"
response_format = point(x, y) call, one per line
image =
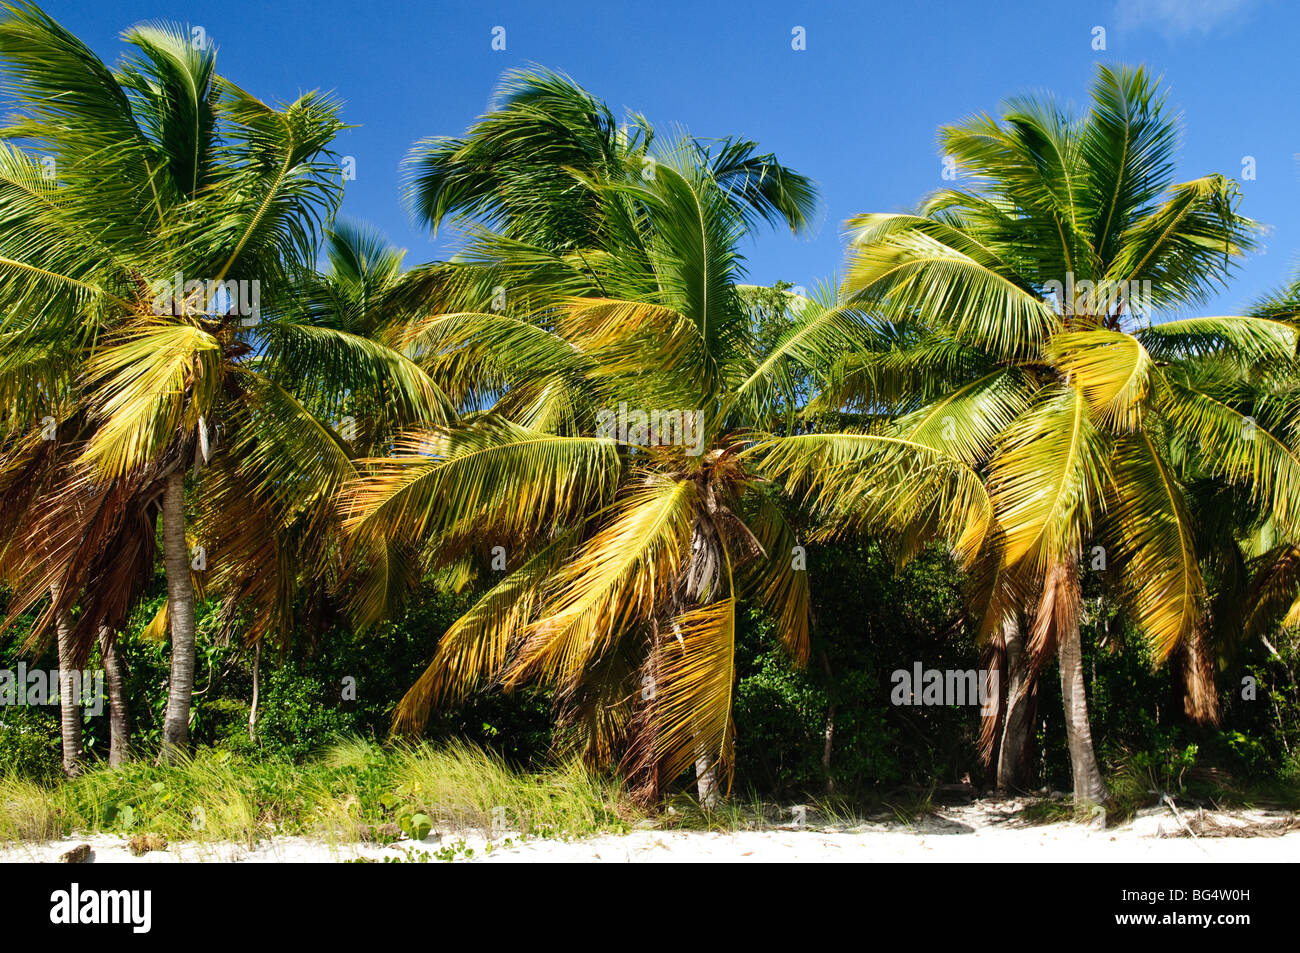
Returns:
point(702, 579)
point(69, 694)
point(119, 725)
point(1089, 787)
point(180, 610)
point(1057, 619)
point(1014, 751)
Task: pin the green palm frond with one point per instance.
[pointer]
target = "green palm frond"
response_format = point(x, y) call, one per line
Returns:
point(763, 187)
point(861, 482)
point(825, 327)
point(968, 420)
point(1250, 340)
point(486, 472)
point(1128, 142)
point(349, 364)
point(1186, 244)
point(1232, 444)
point(897, 371)
point(902, 263)
point(177, 82)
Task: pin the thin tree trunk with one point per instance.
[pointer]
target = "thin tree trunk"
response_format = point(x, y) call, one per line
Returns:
point(180, 609)
point(252, 709)
point(69, 693)
point(706, 779)
point(1089, 787)
point(828, 741)
point(1015, 750)
point(119, 725)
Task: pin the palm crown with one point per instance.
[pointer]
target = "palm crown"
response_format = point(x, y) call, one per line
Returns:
point(605, 442)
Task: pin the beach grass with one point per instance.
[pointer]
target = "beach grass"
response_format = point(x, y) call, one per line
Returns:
point(355, 791)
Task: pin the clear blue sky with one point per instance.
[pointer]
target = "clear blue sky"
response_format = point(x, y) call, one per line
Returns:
point(857, 110)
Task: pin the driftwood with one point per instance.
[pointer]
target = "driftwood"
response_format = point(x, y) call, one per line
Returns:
point(1201, 824)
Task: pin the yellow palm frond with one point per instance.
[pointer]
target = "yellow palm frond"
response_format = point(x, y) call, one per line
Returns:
point(1157, 553)
point(155, 382)
point(617, 580)
point(1045, 478)
point(694, 680)
point(780, 585)
point(382, 573)
point(474, 649)
point(620, 334)
point(1112, 369)
point(966, 422)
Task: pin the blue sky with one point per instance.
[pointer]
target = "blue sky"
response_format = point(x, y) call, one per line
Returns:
point(857, 109)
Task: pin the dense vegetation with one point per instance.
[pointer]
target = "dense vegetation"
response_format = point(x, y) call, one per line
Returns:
point(295, 510)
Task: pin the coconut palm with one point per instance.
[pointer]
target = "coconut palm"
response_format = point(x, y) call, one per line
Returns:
point(157, 222)
point(598, 476)
point(1258, 556)
point(1018, 339)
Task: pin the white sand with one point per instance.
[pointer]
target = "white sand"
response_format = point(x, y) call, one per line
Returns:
point(981, 832)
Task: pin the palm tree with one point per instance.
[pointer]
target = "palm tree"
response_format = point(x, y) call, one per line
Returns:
point(160, 265)
point(600, 461)
point(1017, 339)
point(1256, 554)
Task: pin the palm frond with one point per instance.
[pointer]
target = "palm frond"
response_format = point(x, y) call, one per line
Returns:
point(695, 675)
point(1046, 478)
point(617, 580)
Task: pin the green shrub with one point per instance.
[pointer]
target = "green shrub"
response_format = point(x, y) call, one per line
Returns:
point(30, 745)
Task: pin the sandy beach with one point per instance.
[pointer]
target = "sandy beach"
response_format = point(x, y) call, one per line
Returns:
point(980, 832)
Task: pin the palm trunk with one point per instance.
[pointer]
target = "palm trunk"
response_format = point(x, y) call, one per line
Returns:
point(1194, 668)
point(69, 694)
point(1014, 751)
point(180, 609)
point(706, 780)
point(1089, 787)
point(119, 725)
point(700, 582)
